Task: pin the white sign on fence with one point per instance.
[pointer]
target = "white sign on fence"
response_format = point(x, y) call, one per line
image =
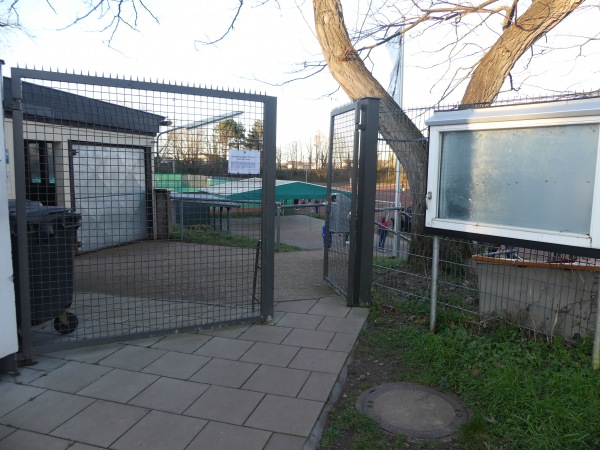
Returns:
point(244, 161)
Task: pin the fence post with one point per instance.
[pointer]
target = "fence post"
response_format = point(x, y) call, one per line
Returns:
point(435, 262)
point(363, 202)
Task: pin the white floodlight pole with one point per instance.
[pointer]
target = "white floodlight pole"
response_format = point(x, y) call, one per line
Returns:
point(397, 90)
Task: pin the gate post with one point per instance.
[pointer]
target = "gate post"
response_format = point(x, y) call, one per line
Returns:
point(22, 290)
point(268, 212)
point(363, 201)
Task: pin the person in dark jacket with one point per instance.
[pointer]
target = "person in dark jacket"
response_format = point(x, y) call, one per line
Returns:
point(383, 229)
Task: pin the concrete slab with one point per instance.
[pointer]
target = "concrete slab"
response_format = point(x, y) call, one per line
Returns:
point(309, 338)
point(343, 342)
point(319, 360)
point(14, 395)
point(222, 372)
point(132, 357)
point(80, 446)
point(271, 354)
point(222, 436)
point(222, 347)
point(72, 377)
point(184, 343)
point(285, 441)
point(225, 405)
point(359, 312)
point(297, 306)
point(318, 386)
point(297, 320)
point(5, 431)
point(286, 415)
point(228, 332)
point(330, 306)
point(351, 325)
point(147, 342)
point(266, 333)
point(118, 385)
point(100, 424)
point(46, 412)
point(26, 440)
point(25, 376)
point(160, 431)
point(47, 363)
point(89, 355)
point(277, 380)
point(177, 365)
point(169, 395)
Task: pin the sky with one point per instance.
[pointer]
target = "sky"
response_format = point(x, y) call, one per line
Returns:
point(266, 46)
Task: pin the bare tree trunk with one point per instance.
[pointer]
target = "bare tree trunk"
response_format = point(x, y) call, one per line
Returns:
point(498, 61)
point(349, 71)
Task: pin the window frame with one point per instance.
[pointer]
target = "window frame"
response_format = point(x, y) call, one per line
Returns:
point(510, 117)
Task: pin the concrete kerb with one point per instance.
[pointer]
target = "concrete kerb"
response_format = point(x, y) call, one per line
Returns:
point(314, 438)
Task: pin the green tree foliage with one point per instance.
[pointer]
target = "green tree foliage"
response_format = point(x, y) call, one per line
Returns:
point(254, 140)
point(228, 133)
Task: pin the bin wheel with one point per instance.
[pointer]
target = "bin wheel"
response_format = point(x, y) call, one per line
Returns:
point(66, 323)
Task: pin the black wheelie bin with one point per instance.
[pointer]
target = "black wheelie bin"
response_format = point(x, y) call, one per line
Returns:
point(51, 247)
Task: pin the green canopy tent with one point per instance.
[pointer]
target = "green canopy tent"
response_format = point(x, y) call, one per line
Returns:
point(250, 190)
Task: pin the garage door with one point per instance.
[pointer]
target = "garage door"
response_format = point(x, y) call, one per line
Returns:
point(110, 193)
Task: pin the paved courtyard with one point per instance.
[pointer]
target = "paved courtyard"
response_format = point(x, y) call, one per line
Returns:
point(261, 386)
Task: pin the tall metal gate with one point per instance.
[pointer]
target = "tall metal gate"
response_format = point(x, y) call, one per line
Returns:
point(129, 218)
point(352, 171)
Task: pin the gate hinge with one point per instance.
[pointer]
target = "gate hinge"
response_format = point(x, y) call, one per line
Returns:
point(358, 124)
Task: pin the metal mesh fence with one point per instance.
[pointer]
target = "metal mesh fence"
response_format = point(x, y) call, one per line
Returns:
point(543, 292)
point(337, 235)
point(143, 207)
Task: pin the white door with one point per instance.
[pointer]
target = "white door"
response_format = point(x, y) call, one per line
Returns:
point(110, 194)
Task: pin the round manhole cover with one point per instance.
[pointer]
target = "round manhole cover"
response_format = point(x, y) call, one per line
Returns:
point(413, 410)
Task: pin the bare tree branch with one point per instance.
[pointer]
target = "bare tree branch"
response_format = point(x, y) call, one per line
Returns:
point(119, 10)
point(229, 29)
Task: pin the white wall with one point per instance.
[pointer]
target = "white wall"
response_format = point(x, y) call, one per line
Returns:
point(61, 136)
point(8, 318)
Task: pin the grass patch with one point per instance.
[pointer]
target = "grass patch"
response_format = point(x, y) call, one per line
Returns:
point(389, 263)
point(370, 438)
point(524, 394)
point(204, 234)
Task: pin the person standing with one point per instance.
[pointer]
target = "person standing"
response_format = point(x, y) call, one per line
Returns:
point(325, 240)
point(383, 229)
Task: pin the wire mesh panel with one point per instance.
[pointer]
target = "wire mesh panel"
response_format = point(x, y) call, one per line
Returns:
point(544, 292)
point(351, 170)
point(142, 205)
point(337, 230)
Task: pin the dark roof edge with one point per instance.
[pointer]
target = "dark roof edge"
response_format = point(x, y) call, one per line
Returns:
point(41, 103)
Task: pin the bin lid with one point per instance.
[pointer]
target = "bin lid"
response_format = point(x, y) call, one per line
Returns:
point(37, 212)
